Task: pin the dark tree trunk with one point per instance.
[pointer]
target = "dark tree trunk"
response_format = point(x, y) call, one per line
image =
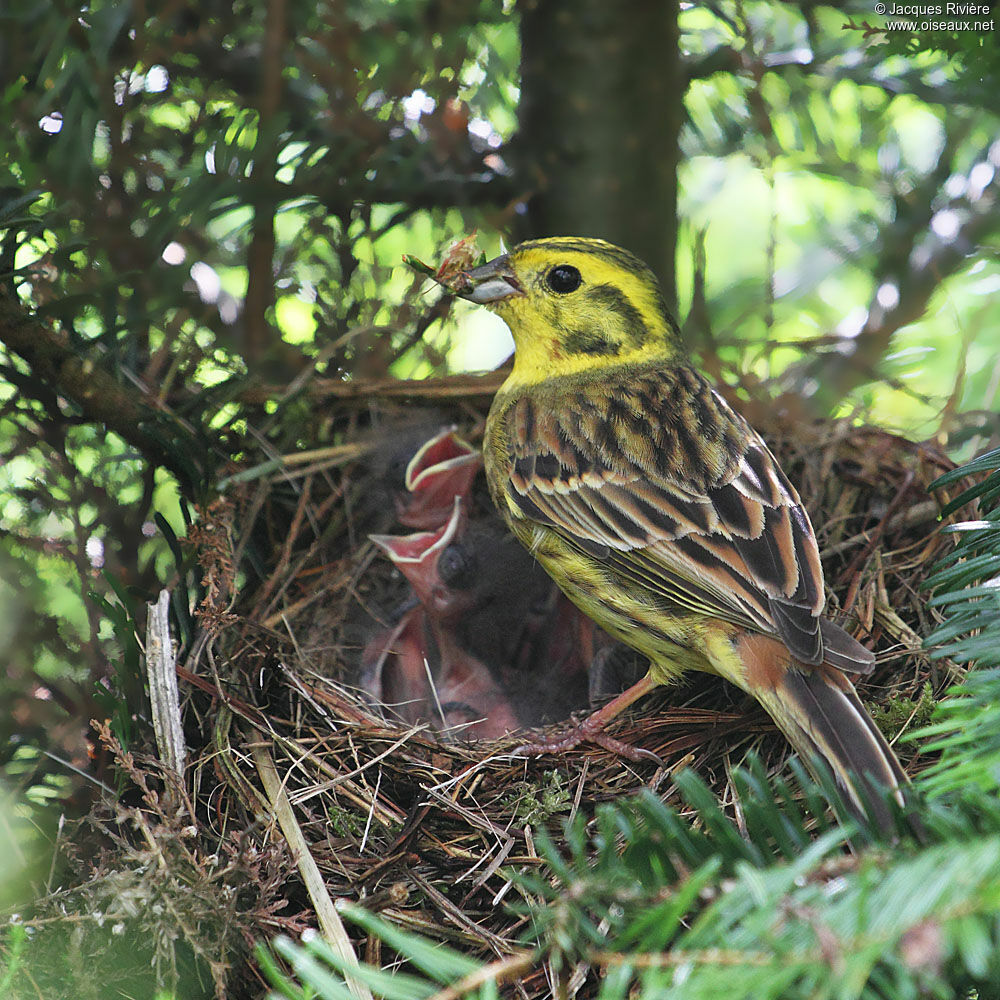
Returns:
point(600, 112)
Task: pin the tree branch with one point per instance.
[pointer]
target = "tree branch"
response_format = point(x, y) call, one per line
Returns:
point(101, 397)
point(260, 255)
point(444, 387)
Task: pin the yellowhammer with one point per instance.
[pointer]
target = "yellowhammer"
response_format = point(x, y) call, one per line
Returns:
point(656, 508)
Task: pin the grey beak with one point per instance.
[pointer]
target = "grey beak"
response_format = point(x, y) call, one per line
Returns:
point(492, 282)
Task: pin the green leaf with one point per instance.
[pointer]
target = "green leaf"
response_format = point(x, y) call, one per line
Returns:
point(440, 963)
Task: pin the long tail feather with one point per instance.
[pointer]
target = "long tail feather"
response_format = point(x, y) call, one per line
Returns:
point(822, 717)
point(843, 651)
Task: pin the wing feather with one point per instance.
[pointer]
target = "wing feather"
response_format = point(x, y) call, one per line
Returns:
point(653, 471)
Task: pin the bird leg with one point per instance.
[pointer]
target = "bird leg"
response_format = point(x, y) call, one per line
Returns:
point(592, 729)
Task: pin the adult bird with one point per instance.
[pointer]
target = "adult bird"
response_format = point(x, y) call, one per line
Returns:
point(658, 510)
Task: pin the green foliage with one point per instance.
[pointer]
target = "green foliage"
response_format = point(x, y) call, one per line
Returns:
point(819, 179)
point(322, 969)
point(966, 588)
point(972, 48)
point(208, 229)
point(123, 694)
point(185, 236)
point(684, 904)
point(209, 209)
point(692, 906)
point(10, 963)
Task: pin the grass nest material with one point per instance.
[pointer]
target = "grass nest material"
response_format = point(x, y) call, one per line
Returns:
point(426, 830)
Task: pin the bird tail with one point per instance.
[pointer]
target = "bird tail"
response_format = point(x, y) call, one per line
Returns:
point(818, 710)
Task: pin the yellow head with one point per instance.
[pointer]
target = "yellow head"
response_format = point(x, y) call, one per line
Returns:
point(574, 304)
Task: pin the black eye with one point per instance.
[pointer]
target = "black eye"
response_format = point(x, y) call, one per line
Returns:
point(564, 278)
point(456, 567)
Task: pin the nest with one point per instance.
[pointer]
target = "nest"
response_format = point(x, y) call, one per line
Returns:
point(426, 830)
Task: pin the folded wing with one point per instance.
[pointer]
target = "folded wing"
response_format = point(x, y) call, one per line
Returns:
point(653, 473)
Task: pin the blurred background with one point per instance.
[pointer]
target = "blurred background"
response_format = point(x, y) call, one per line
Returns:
point(203, 208)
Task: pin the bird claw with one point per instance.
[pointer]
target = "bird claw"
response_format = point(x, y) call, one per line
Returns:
point(585, 734)
point(592, 729)
point(638, 754)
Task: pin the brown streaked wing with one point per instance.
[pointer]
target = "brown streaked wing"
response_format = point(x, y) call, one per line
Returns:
point(701, 514)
